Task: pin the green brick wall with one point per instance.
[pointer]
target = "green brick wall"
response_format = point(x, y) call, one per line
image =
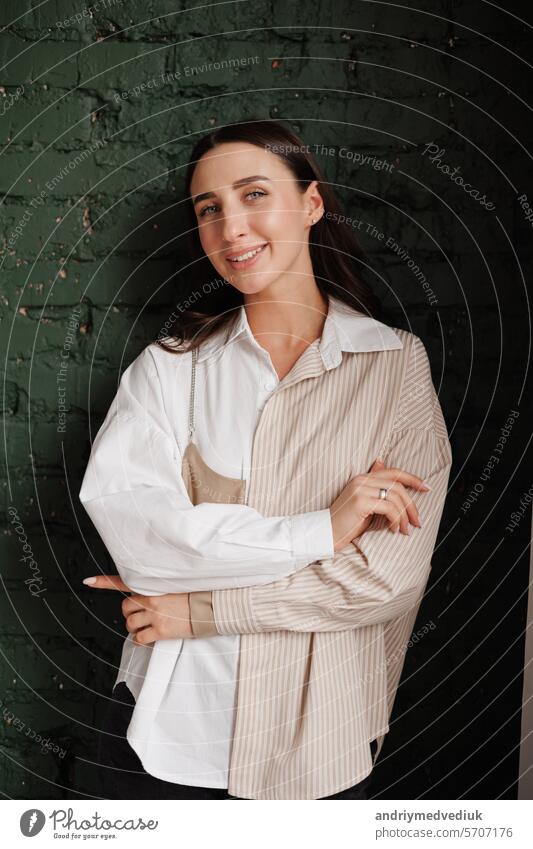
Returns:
point(92, 179)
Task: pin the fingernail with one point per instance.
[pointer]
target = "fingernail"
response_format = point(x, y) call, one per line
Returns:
point(408, 529)
point(89, 581)
point(426, 487)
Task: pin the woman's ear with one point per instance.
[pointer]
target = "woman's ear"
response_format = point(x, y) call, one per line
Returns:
point(314, 202)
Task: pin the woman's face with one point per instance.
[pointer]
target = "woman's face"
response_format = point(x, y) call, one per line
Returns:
point(253, 221)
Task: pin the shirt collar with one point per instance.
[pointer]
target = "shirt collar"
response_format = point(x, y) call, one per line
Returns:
point(345, 329)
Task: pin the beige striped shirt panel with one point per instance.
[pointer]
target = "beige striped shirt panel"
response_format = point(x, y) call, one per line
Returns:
point(322, 650)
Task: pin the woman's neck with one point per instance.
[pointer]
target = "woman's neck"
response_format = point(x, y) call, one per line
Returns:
point(286, 324)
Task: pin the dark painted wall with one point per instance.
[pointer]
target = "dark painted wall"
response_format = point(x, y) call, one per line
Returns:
point(99, 107)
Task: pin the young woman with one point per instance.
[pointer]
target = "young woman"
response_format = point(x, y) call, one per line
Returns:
point(269, 482)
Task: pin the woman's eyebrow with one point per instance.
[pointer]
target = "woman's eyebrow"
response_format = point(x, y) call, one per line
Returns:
point(242, 182)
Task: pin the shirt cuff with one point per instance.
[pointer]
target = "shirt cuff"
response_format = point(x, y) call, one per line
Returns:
point(312, 536)
point(233, 611)
point(201, 614)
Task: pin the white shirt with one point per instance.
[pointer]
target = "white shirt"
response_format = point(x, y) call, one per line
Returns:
point(185, 690)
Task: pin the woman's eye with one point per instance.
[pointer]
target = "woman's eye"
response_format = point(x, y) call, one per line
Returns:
point(256, 192)
point(205, 210)
point(253, 195)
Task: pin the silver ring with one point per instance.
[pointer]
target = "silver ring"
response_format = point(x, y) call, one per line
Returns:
point(383, 493)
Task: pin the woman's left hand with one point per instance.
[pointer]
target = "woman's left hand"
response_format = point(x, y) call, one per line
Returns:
point(150, 617)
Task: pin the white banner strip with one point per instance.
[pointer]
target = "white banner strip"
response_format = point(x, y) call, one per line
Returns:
point(177, 824)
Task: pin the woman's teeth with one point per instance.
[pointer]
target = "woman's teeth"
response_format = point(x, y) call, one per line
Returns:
point(247, 255)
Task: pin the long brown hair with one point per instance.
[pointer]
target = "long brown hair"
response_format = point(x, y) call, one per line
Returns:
point(336, 254)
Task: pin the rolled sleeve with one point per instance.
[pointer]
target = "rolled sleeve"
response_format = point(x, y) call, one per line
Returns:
point(201, 614)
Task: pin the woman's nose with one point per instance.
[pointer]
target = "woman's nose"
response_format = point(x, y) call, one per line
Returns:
point(234, 226)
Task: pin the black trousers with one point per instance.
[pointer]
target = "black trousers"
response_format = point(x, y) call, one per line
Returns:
point(121, 773)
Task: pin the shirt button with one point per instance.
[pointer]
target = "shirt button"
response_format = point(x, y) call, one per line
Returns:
point(269, 384)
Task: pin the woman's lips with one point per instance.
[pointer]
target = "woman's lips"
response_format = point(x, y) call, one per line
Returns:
point(246, 263)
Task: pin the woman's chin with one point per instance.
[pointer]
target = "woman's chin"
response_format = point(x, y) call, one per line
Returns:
point(250, 284)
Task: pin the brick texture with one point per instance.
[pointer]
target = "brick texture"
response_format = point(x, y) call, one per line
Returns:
point(99, 108)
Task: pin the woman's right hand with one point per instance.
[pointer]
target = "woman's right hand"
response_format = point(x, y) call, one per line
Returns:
point(353, 510)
